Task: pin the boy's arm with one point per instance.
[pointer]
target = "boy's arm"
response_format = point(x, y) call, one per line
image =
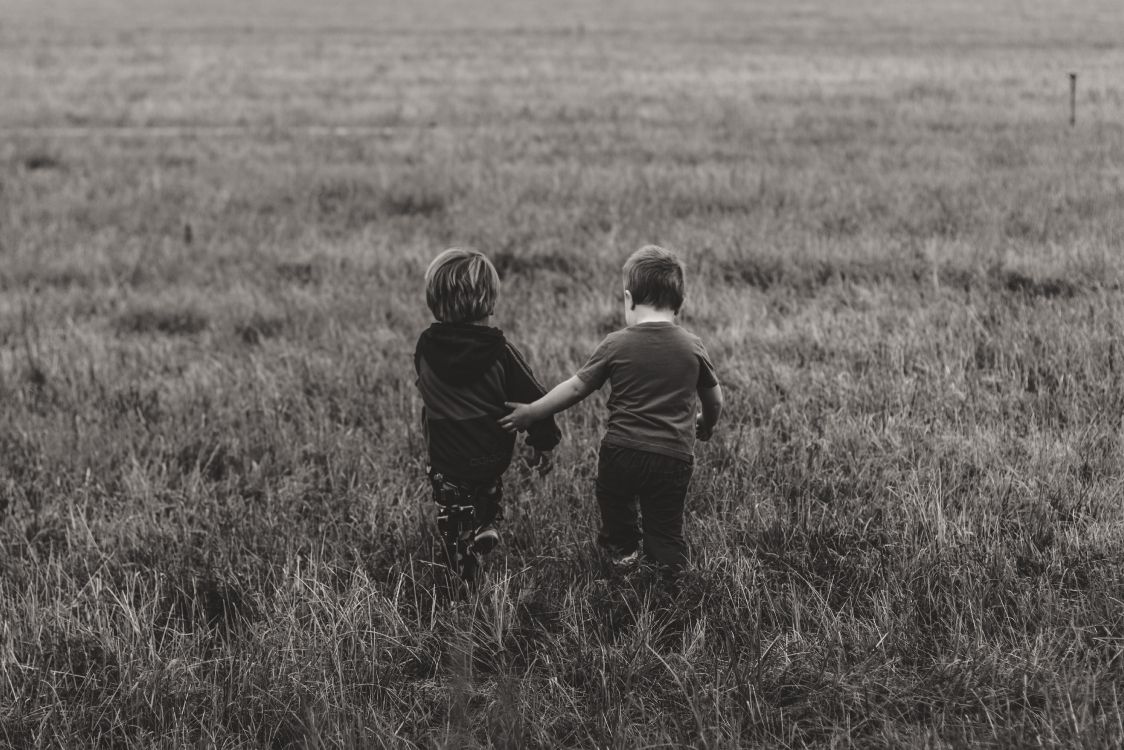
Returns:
point(567, 393)
point(711, 400)
point(561, 397)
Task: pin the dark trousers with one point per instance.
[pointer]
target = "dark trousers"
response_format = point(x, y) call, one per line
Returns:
point(485, 498)
point(629, 480)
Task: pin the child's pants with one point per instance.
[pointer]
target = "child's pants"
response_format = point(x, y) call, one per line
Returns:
point(486, 498)
point(626, 476)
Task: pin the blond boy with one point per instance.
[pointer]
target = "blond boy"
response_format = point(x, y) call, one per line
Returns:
point(466, 370)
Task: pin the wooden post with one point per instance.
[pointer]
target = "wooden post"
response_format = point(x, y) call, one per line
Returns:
point(1072, 99)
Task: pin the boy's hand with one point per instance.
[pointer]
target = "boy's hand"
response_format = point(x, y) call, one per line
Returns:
point(521, 417)
point(703, 431)
point(541, 461)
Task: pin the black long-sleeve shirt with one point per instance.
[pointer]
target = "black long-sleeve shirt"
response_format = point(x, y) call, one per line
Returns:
point(465, 373)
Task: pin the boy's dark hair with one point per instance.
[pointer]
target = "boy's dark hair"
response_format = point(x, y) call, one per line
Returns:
point(461, 286)
point(654, 276)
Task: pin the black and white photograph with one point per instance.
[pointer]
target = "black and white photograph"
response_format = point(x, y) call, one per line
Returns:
point(534, 374)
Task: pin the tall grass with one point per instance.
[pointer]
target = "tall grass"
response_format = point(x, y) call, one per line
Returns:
point(213, 525)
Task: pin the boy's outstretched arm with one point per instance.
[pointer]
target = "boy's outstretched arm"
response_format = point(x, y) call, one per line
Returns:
point(561, 397)
point(711, 400)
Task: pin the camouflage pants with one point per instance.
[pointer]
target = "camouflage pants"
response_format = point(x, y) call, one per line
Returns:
point(462, 509)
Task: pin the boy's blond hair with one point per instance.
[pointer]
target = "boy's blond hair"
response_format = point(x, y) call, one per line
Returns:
point(654, 276)
point(461, 286)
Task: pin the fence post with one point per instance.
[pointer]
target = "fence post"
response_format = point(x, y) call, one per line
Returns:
point(1072, 99)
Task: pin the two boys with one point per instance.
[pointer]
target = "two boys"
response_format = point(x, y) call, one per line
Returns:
point(655, 370)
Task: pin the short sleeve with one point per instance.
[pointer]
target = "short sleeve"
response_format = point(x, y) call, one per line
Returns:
point(708, 378)
point(595, 372)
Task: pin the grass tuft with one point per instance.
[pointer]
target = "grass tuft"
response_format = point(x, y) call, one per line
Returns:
point(41, 160)
point(259, 328)
point(178, 321)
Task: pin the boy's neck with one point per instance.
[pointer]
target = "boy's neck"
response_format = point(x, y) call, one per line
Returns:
point(485, 321)
point(649, 314)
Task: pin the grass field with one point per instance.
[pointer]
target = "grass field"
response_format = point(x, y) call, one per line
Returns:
point(907, 267)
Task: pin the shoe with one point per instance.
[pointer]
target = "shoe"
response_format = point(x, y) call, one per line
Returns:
point(626, 561)
point(485, 540)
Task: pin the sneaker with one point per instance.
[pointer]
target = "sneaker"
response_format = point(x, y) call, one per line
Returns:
point(485, 540)
point(626, 561)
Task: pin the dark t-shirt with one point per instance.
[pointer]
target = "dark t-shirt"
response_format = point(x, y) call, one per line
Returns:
point(654, 371)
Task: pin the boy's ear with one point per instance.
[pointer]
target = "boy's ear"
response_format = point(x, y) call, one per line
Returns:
point(628, 300)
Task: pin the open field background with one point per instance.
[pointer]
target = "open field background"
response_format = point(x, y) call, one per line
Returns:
point(907, 267)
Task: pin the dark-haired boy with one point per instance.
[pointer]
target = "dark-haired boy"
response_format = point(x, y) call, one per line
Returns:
point(655, 370)
point(466, 370)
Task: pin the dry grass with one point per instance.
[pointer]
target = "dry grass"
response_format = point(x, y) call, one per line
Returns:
point(213, 529)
